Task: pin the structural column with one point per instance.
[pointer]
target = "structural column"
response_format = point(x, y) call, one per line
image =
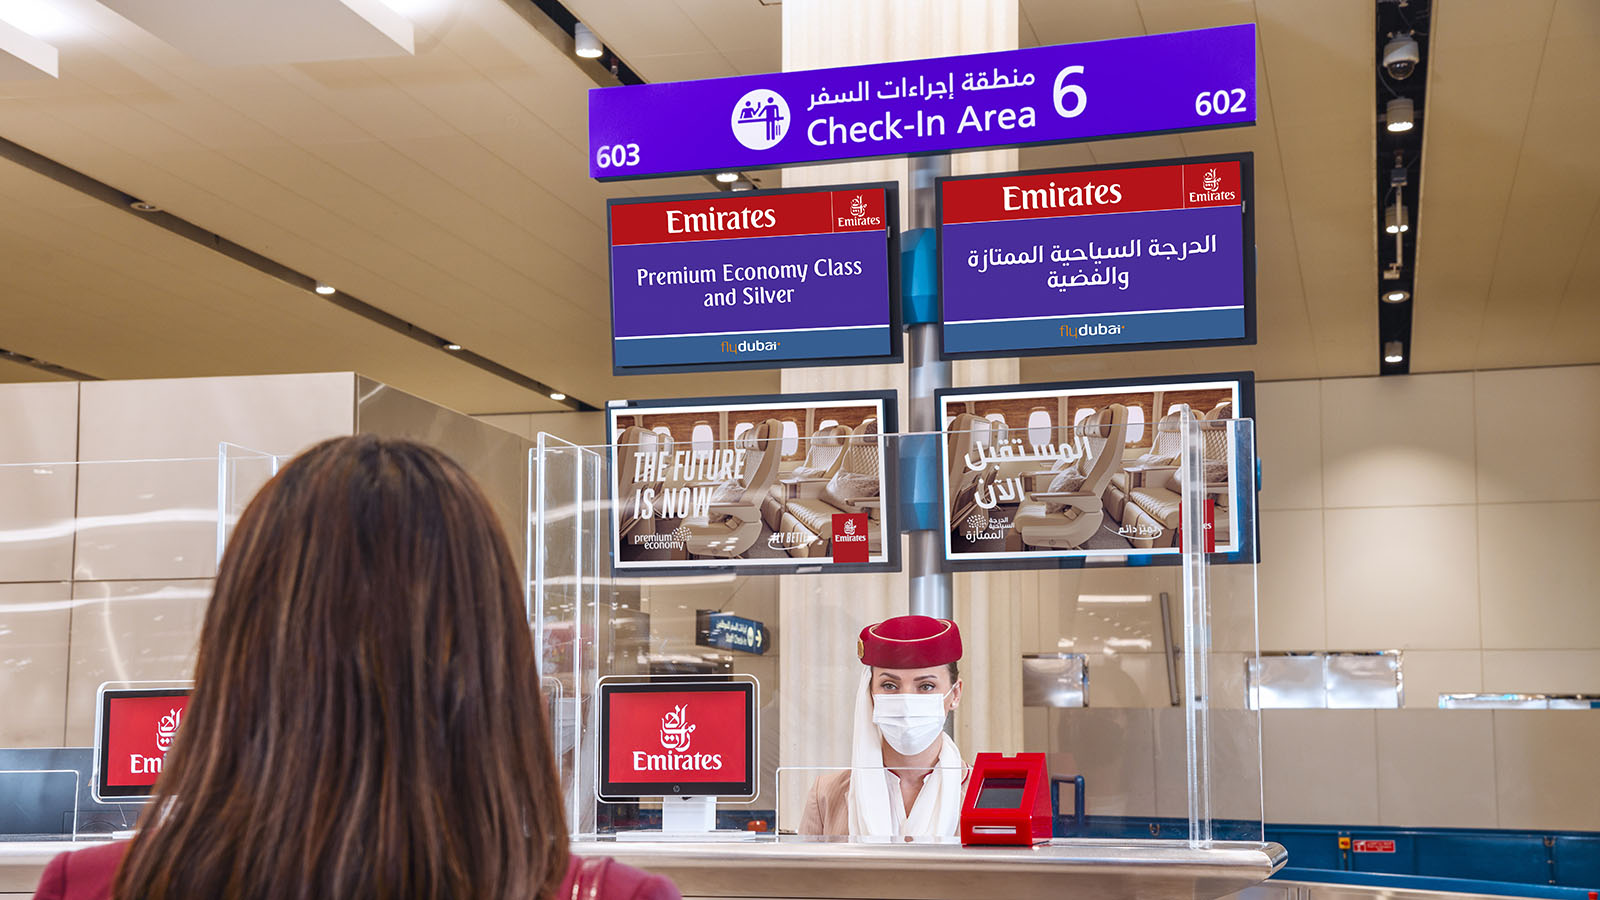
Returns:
point(820, 615)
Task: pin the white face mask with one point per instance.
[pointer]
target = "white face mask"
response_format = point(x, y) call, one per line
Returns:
point(909, 722)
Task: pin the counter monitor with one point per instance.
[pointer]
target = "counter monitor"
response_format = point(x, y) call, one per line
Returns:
point(134, 729)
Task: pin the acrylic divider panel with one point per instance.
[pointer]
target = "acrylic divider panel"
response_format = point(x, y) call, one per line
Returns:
point(1163, 738)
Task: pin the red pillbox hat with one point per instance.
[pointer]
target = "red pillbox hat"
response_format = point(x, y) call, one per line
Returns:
point(909, 642)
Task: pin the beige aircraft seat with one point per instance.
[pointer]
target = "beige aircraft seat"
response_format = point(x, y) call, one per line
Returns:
point(1064, 520)
point(823, 455)
point(966, 434)
point(1223, 410)
point(853, 488)
point(734, 520)
point(1151, 514)
point(632, 444)
point(1166, 441)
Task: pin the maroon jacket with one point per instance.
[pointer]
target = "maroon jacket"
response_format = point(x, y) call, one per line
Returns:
point(86, 875)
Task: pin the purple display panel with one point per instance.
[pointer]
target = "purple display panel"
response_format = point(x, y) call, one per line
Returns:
point(754, 280)
point(1184, 81)
point(1081, 260)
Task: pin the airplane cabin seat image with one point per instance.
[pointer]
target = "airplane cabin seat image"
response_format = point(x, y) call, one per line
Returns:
point(1066, 515)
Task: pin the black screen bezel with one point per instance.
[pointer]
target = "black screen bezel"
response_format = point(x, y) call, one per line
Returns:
point(896, 352)
point(1246, 162)
point(103, 741)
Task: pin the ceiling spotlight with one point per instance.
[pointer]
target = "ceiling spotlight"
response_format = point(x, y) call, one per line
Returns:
point(586, 43)
point(1396, 296)
point(742, 185)
point(1395, 221)
point(142, 206)
point(452, 347)
point(1400, 114)
point(1400, 57)
point(727, 177)
point(1393, 352)
point(324, 288)
point(558, 396)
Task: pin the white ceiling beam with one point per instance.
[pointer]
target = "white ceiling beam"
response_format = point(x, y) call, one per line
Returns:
point(249, 32)
point(24, 56)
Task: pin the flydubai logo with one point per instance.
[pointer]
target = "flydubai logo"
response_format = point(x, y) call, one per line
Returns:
point(676, 734)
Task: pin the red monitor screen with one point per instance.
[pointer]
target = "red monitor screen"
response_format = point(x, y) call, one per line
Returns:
point(677, 739)
point(135, 730)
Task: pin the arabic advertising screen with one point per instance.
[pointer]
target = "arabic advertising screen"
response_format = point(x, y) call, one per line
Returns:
point(761, 484)
point(1126, 257)
point(136, 728)
point(755, 279)
point(679, 738)
point(1051, 475)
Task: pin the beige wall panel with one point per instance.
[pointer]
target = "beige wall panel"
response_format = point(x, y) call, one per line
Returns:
point(188, 417)
point(1542, 671)
point(155, 519)
point(1128, 680)
point(1435, 767)
point(36, 502)
point(1114, 750)
point(1540, 575)
point(1235, 764)
point(1301, 750)
point(1289, 442)
point(1555, 407)
point(1398, 441)
point(1429, 673)
point(1395, 578)
point(1542, 777)
point(1292, 606)
point(129, 631)
point(34, 624)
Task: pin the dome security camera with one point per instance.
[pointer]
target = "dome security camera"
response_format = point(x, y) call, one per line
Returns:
point(1400, 57)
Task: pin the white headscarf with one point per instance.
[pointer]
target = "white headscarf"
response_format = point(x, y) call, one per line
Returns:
point(875, 805)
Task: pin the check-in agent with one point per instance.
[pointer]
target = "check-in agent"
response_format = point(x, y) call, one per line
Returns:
point(906, 775)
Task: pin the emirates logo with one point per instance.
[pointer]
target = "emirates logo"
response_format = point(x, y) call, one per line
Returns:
point(167, 729)
point(858, 206)
point(850, 526)
point(1211, 181)
point(675, 729)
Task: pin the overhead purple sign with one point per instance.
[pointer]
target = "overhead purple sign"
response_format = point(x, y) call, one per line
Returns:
point(1184, 81)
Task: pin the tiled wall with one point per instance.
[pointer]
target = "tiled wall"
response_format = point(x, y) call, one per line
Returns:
point(119, 596)
point(1453, 517)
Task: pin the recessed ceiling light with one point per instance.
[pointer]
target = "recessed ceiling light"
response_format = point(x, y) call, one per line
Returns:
point(324, 288)
point(1396, 220)
point(1396, 296)
point(1393, 352)
point(585, 42)
point(452, 346)
point(142, 206)
point(727, 177)
point(558, 396)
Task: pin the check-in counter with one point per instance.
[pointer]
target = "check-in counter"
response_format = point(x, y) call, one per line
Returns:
point(794, 869)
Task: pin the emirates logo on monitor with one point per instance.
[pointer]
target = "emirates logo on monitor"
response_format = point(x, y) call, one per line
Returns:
point(675, 729)
point(858, 206)
point(1211, 181)
point(167, 729)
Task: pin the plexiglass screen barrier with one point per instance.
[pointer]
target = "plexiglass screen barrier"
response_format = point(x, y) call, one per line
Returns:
point(105, 570)
point(1094, 630)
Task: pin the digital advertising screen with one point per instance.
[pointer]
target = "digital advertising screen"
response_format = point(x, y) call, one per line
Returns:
point(770, 484)
point(1051, 475)
point(677, 739)
point(755, 279)
point(1124, 257)
point(135, 729)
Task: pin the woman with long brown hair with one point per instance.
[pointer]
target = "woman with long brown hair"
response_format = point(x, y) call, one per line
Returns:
point(366, 720)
